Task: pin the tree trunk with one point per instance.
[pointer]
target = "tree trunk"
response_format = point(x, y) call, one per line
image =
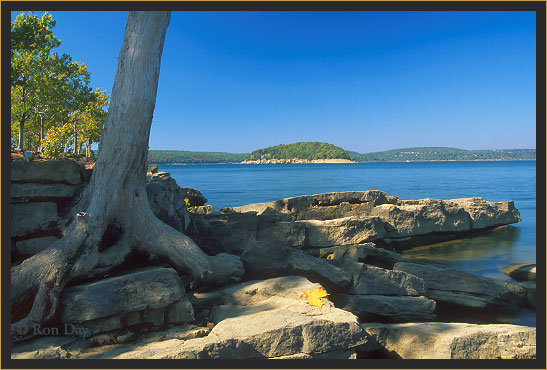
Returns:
point(21, 131)
point(113, 216)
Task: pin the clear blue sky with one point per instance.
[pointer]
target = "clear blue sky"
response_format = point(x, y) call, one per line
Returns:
point(365, 81)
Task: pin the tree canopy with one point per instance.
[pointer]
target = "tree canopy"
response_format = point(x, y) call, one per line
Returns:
point(50, 92)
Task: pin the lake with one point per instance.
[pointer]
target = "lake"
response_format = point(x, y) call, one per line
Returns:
point(227, 185)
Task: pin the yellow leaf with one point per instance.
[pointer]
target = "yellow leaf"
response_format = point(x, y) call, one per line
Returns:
point(314, 296)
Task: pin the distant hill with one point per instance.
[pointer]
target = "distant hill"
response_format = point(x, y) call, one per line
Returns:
point(187, 157)
point(317, 151)
point(303, 150)
point(443, 154)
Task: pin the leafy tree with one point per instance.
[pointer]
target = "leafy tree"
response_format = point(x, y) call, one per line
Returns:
point(47, 89)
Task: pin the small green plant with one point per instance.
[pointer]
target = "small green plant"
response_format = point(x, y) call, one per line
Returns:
point(191, 209)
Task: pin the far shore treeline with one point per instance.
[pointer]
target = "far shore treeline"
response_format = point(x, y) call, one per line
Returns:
point(314, 150)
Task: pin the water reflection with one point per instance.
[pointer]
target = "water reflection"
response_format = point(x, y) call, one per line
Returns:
point(494, 243)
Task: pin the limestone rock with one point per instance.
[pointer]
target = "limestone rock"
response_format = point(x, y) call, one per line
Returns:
point(428, 216)
point(166, 201)
point(316, 205)
point(27, 218)
point(63, 171)
point(283, 324)
point(342, 231)
point(230, 231)
point(34, 190)
point(436, 340)
point(195, 198)
point(275, 231)
point(267, 260)
point(464, 288)
point(391, 308)
point(35, 245)
point(150, 288)
point(488, 214)
point(180, 312)
point(376, 280)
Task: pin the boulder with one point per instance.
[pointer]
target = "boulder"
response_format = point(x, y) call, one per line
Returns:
point(63, 171)
point(34, 190)
point(342, 231)
point(35, 245)
point(283, 324)
point(436, 340)
point(166, 201)
point(376, 280)
point(147, 289)
point(27, 218)
point(523, 272)
point(265, 260)
point(486, 214)
point(464, 288)
point(388, 308)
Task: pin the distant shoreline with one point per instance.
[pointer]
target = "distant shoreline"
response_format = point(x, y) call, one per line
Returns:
point(349, 162)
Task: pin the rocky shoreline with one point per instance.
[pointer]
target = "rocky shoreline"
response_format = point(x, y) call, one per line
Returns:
point(380, 304)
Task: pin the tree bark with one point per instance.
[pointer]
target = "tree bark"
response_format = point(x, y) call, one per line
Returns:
point(113, 216)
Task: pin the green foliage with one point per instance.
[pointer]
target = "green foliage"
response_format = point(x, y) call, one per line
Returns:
point(303, 150)
point(48, 90)
point(443, 154)
point(187, 157)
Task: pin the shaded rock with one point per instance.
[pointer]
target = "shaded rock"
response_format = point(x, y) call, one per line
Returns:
point(33, 190)
point(268, 261)
point(35, 245)
point(274, 231)
point(390, 308)
point(367, 253)
point(27, 218)
point(229, 231)
point(376, 280)
point(342, 231)
point(102, 325)
point(437, 340)
point(488, 214)
point(154, 316)
point(147, 289)
point(523, 272)
point(166, 201)
point(179, 312)
point(126, 337)
point(428, 216)
point(63, 171)
point(464, 288)
point(349, 354)
point(195, 198)
point(184, 332)
point(50, 347)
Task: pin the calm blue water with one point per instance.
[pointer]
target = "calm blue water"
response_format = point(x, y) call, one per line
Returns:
point(236, 185)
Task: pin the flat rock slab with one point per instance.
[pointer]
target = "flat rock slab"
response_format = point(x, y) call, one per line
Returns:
point(343, 231)
point(150, 288)
point(390, 308)
point(63, 171)
point(269, 260)
point(436, 340)
point(464, 288)
point(265, 333)
point(27, 218)
point(33, 190)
